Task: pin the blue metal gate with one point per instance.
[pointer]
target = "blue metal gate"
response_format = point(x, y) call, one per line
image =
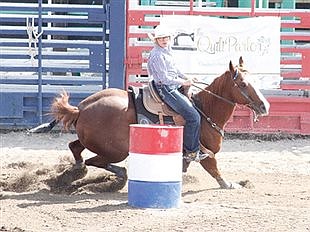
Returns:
point(47, 48)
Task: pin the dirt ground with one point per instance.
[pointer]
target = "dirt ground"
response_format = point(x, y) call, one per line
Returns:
point(279, 199)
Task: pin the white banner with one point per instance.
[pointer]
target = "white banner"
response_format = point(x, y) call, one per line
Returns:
point(205, 45)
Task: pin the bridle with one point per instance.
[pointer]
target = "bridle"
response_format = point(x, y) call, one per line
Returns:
point(209, 120)
point(213, 94)
point(251, 104)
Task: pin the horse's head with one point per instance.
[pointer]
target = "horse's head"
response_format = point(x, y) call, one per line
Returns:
point(244, 91)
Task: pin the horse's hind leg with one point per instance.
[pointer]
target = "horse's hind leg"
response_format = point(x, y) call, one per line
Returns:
point(119, 171)
point(103, 183)
point(78, 171)
point(101, 162)
point(76, 148)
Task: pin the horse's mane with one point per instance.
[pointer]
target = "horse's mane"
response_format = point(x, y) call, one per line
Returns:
point(216, 87)
point(219, 85)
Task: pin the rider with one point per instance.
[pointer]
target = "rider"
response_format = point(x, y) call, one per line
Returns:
point(167, 79)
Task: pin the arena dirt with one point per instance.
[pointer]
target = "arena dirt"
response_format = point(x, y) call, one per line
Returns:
point(276, 173)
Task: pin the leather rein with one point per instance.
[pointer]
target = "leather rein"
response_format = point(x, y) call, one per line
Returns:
point(209, 120)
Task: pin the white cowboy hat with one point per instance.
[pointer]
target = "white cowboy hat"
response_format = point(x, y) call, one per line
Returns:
point(159, 32)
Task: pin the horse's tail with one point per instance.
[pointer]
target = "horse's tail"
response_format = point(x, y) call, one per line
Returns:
point(64, 112)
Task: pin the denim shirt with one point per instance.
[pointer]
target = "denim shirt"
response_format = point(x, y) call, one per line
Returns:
point(162, 69)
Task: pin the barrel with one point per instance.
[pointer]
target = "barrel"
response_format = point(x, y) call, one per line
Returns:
point(155, 166)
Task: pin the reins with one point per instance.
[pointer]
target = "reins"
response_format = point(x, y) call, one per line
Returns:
point(213, 94)
point(209, 120)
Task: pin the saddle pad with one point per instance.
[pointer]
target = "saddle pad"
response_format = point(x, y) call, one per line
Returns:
point(143, 115)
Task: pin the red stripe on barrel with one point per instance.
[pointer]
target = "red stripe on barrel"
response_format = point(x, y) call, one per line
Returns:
point(155, 139)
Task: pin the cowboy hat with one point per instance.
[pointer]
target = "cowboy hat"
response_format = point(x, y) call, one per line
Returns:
point(159, 32)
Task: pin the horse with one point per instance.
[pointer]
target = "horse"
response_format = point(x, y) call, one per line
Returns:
point(102, 120)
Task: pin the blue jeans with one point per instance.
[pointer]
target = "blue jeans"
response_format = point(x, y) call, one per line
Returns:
point(182, 105)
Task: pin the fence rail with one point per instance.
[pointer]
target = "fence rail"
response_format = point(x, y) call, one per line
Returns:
point(48, 48)
point(290, 104)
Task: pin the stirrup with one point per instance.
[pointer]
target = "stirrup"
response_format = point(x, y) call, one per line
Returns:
point(195, 156)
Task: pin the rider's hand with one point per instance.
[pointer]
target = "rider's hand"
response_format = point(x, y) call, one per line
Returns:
point(188, 82)
point(194, 79)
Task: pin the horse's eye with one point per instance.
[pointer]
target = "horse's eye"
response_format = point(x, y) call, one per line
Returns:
point(243, 84)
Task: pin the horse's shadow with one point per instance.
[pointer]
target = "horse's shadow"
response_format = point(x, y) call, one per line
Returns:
point(191, 192)
point(44, 197)
point(124, 205)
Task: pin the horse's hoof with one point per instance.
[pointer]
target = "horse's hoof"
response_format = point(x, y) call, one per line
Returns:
point(78, 171)
point(121, 173)
point(234, 186)
point(79, 165)
point(228, 185)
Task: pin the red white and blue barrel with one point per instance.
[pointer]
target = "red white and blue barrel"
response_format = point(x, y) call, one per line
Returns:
point(155, 166)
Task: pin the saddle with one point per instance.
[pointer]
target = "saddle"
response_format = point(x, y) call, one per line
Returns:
point(153, 104)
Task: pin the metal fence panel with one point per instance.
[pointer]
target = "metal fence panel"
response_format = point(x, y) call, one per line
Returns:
point(47, 48)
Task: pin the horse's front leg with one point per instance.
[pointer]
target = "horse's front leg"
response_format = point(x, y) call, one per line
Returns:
point(210, 165)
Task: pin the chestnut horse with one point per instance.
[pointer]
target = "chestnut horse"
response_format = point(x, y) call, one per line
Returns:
point(102, 120)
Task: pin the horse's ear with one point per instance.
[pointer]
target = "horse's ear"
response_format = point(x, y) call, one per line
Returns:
point(231, 67)
point(241, 61)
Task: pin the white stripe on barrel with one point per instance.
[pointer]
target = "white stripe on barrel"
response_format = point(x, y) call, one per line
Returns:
point(155, 166)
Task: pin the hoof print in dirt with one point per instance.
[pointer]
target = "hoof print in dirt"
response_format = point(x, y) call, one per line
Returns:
point(15, 229)
point(246, 184)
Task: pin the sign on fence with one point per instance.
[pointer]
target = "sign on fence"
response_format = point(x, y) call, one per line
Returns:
point(208, 43)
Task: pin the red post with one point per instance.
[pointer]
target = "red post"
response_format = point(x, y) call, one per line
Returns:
point(191, 6)
point(253, 2)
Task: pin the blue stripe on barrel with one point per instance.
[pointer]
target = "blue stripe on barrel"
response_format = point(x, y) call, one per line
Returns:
point(155, 166)
point(145, 194)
